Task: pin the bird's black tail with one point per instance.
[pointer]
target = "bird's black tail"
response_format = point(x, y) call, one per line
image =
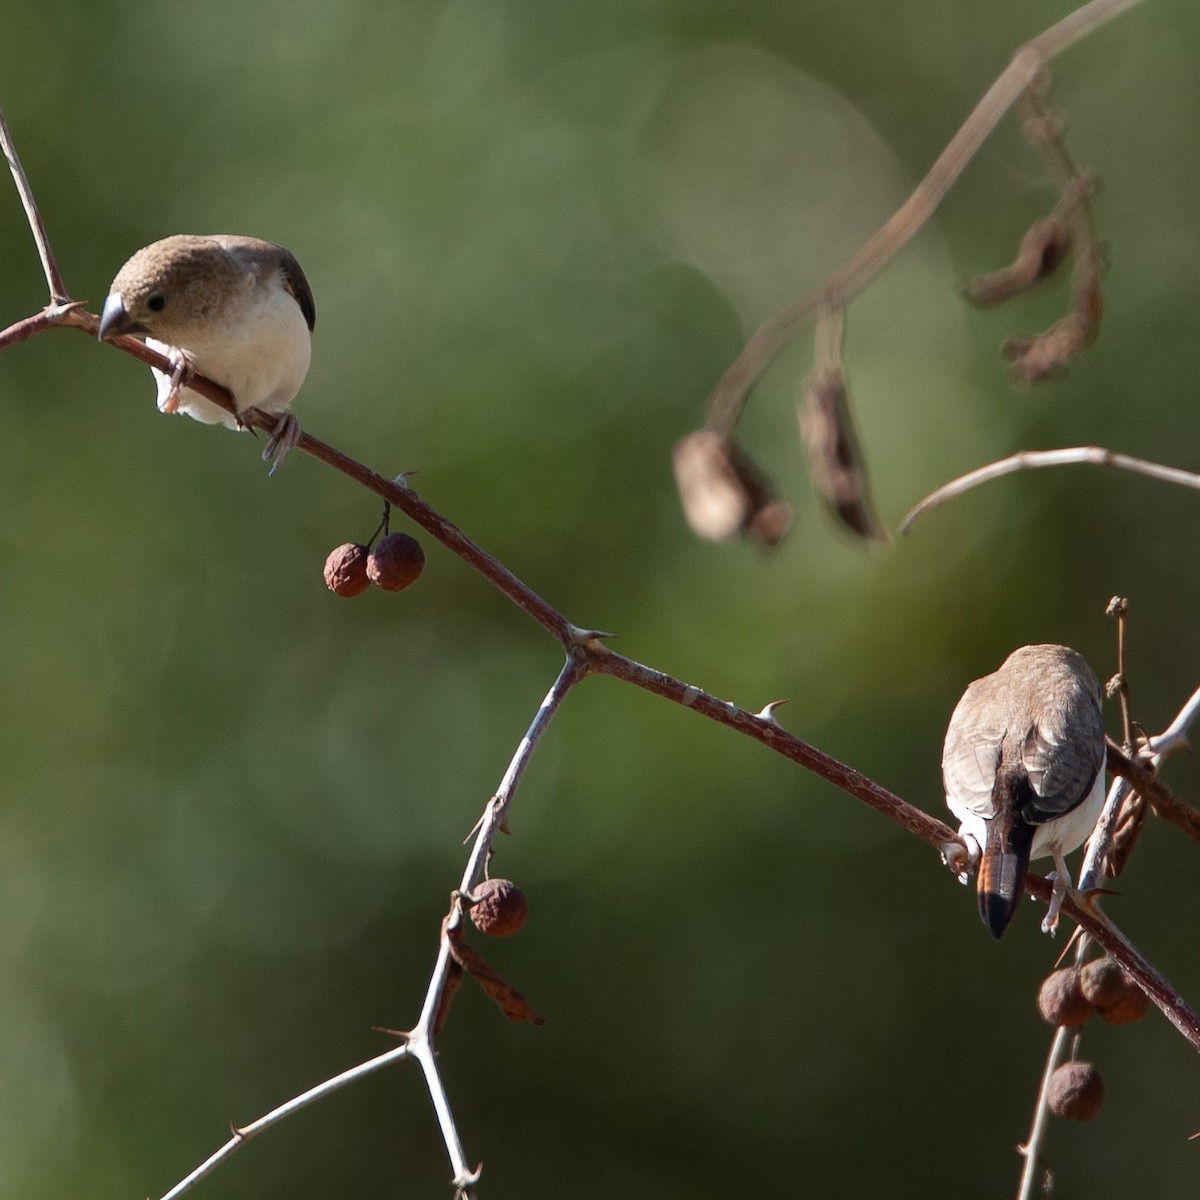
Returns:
point(1005, 859)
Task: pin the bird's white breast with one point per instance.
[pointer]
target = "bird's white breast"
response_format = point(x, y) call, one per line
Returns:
point(260, 351)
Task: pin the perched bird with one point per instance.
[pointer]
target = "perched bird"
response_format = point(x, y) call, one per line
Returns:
point(1023, 768)
point(236, 309)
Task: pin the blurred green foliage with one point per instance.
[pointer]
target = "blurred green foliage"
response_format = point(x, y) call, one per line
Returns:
point(231, 804)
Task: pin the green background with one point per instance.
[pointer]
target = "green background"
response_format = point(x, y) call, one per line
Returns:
point(231, 804)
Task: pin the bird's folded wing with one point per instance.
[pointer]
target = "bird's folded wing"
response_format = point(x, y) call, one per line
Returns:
point(1061, 769)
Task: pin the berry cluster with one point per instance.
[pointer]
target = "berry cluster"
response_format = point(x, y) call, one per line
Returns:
point(1068, 998)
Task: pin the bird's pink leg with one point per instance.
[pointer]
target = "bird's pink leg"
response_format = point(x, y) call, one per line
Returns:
point(1060, 879)
point(169, 386)
point(962, 862)
point(283, 437)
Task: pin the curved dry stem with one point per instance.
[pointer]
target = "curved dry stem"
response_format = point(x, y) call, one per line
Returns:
point(58, 289)
point(1029, 460)
point(729, 396)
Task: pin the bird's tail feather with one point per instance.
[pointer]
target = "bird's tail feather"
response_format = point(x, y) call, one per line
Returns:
point(1005, 859)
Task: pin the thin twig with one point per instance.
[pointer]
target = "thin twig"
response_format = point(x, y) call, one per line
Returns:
point(492, 823)
point(1140, 776)
point(1175, 736)
point(419, 1043)
point(421, 1038)
point(729, 396)
point(1118, 607)
point(50, 317)
point(1031, 1151)
point(1163, 801)
point(465, 1177)
point(1028, 460)
point(1075, 188)
point(1129, 819)
point(1089, 876)
point(245, 1132)
point(58, 289)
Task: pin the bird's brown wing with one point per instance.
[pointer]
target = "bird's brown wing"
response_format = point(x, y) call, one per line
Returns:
point(295, 282)
point(1062, 770)
point(972, 751)
point(263, 257)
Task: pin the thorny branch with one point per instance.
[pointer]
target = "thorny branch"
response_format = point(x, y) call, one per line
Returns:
point(1132, 774)
point(418, 1043)
point(1163, 801)
point(245, 1132)
point(586, 654)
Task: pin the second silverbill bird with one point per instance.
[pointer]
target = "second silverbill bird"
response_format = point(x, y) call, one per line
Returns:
point(1023, 768)
point(236, 309)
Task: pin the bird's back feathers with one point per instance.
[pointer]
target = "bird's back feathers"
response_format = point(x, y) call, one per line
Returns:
point(1023, 767)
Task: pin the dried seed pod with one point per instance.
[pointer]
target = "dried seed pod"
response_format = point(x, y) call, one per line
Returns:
point(1043, 250)
point(1061, 1000)
point(724, 492)
point(1127, 828)
point(835, 459)
point(1048, 355)
point(396, 562)
point(500, 908)
point(1076, 1091)
point(346, 570)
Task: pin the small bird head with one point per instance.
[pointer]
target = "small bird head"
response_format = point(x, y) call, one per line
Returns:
point(166, 288)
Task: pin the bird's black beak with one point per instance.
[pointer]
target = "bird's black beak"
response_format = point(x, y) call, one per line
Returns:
point(115, 318)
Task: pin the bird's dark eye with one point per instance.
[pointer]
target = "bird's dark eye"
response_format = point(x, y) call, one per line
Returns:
point(157, 302)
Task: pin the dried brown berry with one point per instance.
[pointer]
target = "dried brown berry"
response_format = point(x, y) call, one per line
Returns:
point(1076, 1091)
point(1132, 1006)
point(500, 908)
point(1112, 990)
point(1104, 982)
point(1061, 1000)
point(395, 562)
point(346, 570)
